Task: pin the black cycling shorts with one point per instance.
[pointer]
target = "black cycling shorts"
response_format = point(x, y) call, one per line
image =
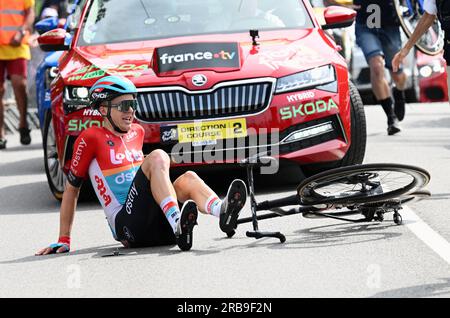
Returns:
point(141, 222)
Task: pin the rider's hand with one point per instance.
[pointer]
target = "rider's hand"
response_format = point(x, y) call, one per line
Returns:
point(63, 246)
point(398, 59)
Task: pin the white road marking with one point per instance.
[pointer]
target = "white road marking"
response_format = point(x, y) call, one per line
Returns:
point(424, 232)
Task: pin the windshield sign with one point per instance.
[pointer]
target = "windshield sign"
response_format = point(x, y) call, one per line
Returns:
point(198, 55)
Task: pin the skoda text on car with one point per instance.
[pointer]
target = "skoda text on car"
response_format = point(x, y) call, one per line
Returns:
point(218, 81)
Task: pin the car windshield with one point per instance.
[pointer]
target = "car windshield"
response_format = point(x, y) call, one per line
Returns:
point(113, 21)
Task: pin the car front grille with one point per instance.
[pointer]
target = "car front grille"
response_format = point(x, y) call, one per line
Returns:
point(227, 100)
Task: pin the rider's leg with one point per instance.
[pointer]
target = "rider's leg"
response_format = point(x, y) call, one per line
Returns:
point(189, 186)
point(156, 168)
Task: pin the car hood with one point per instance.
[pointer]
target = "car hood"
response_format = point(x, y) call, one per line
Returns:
point(277, 54)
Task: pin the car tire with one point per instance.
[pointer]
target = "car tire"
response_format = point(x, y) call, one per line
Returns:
point(55, 175)
point(357, 150)
point(355, 153)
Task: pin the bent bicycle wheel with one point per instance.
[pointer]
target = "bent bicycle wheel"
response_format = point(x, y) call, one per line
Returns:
point(409, 13)
point(365, 183)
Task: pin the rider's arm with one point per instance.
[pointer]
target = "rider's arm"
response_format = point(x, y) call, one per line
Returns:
point(67, 212)
point(425, 22)
point(68, 206)
point(83, 154)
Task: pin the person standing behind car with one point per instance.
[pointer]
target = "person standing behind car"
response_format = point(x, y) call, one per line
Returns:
point(16, 23)
point(377, 33)
point(433, 8)
point(53, 8)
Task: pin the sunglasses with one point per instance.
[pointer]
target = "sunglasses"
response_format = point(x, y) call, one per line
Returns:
point(125, 105)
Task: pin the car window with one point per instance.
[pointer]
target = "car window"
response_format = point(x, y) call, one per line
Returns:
point(112, 21)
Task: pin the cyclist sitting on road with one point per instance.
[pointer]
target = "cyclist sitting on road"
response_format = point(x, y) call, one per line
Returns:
point(377, 33)
point(136, 193)
point(432, 8)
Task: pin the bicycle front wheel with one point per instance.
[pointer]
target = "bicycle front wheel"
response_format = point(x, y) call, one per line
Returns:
point(409, 13)
point(359, 184)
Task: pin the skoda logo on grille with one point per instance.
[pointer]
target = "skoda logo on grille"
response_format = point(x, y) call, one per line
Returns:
point(199, 80)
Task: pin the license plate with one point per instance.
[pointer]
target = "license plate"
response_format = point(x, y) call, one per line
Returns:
point(208, 132)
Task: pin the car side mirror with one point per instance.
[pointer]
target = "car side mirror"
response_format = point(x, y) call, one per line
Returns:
point(46, 25)
point(54, 40)
point(338, 17)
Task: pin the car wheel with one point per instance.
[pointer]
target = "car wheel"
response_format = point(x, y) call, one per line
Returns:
point(55, 175)
point(355, 153)
point(357, 150)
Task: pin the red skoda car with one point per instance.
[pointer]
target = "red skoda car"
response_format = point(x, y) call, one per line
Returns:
point(218, 81)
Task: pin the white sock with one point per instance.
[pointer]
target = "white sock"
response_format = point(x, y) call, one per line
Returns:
point(171, 210)
point(213, 205)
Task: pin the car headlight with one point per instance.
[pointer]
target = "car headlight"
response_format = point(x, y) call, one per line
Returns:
point(426, 71)
point(75, 98)
point(437, 66)
point(50, 75)
point(76, 95)
point(313, 77)
point(431, 68)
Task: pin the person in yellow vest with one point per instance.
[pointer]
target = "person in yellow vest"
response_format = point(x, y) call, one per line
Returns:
point(16, 24)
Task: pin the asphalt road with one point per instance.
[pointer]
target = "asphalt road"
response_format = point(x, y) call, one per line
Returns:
point(321, 258)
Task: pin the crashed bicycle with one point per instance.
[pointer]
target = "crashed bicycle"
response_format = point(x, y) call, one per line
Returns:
point(368, 191)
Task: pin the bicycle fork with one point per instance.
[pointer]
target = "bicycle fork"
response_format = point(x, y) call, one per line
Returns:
point(256, 233)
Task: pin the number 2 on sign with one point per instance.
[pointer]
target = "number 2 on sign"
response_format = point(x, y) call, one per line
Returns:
point(237, 128)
